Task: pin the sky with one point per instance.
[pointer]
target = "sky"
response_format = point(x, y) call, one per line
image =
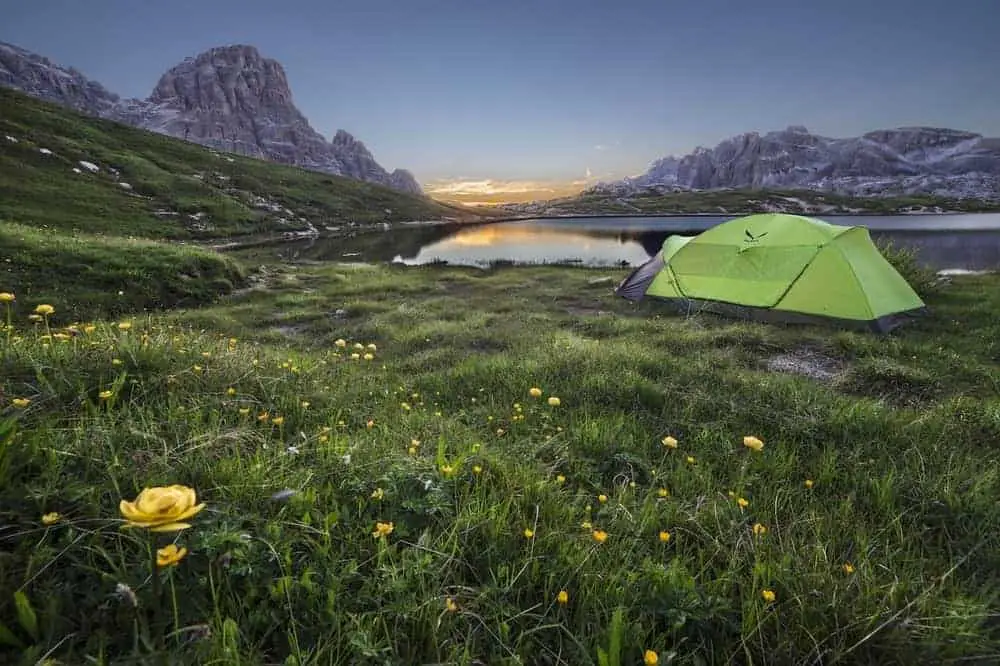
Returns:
point(526, 99)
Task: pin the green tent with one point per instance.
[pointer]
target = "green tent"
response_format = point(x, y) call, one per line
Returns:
point(776, 267)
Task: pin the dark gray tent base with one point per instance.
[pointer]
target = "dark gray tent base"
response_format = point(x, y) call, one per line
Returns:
point(768, 315)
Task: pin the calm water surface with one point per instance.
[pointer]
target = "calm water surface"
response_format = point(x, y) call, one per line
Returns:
point(965, 241)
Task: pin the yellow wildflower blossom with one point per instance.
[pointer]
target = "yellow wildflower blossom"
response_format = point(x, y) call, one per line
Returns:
point(170, 555)
point(161, 509)
point(382, 530)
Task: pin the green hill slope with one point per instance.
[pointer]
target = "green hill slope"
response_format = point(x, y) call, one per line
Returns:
point(168, 188)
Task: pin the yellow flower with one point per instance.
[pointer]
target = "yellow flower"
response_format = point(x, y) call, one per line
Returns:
point(371, 347)
point(263, 416)
point(382, 530)
point(664, 536)
point(690, 460)
point(663, 492)
point(535, 392)
point(196, 368)
point(161, 509)
point(170, 555)
point(44, 309)
point(759, 530)
point(447, 470)
point(669, 442)
point(278, 420)
point(7, 297)
point(89, 329)
point(602, 498)
point(554, 401)
point(244, 411)
point(359, 346)
point(450, 605)
point(51, 518)
point(477, 469)
point(650, 658)
point(560, 479)
point(370, 423)
point(230, 391)
point(105, 395)
point(529, 533)
point(742, 503)
point(116, 361)
point(377, 494)
point(768, 595)
point(563, 597)
point(600, 536)
point(340, 342)
point(21, 403)
point(405, 405)
point(753, 443)
point(368, 357)
point(848, 568)
point(124, 325)
point(809, 483)
point(586, 525)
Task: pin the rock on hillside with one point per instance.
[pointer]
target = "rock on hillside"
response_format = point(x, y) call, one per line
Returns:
point(231, 98)
point(907, 160)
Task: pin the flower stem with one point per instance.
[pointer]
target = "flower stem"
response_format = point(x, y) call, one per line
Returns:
point(154, 570)
point(157, 631)
point(173, 597)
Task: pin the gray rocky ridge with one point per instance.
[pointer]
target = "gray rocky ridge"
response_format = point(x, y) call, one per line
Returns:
point(906, 160)
point(230, 98)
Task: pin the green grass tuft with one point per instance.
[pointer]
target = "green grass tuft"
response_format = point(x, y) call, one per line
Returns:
point(91, 276)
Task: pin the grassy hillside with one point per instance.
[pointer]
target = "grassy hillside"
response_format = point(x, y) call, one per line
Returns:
point(177, 189)
point(741, 202)
point(513, 530)
point(107, 276)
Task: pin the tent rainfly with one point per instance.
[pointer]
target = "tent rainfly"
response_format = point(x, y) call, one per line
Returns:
point(781, 268)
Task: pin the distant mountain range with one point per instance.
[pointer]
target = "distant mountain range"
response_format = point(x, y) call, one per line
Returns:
point(892, 162)
point(229, 98)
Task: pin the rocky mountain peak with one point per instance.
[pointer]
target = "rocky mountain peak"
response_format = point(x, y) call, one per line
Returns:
point(229, 97)
point(904, 160)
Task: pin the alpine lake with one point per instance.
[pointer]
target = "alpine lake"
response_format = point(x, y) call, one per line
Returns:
point(943, 242)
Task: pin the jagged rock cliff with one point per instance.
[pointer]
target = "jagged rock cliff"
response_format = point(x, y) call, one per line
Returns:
point(906, 160)
point(231, 98)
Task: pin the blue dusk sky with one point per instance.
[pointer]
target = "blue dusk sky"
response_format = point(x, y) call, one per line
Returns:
point(522, 93)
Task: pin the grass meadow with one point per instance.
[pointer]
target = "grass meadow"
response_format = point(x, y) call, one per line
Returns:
point(441, 465)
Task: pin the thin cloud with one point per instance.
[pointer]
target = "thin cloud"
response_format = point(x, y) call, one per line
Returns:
point(488, 187)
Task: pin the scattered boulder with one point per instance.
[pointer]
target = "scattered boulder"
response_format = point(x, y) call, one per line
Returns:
point(45, 151)
point(89, 166)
